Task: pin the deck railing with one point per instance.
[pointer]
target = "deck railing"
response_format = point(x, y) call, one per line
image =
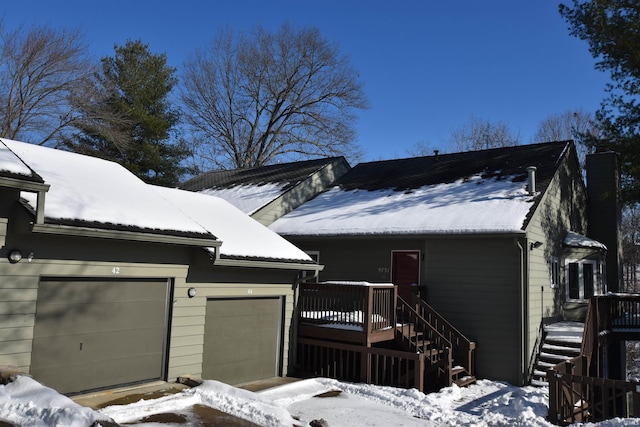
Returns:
point(463, 348)
point(361, 310)
point(576, 390)
point(606, 314)
point(577, 397)
point(370, 365)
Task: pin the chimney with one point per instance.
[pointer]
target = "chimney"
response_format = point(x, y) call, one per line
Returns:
point(603, 212)
point(531, 182)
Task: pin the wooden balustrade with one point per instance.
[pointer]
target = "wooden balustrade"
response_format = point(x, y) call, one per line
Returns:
point(360, 313)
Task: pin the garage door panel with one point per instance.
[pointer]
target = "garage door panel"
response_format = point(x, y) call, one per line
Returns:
point(106, 291)
point(59, 319)
point(242, 339)
point(95, 334)
point(112, 371)
point(97, 347)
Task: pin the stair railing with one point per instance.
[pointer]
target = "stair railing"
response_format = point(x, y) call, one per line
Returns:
point(463, 349)
point(421, 327)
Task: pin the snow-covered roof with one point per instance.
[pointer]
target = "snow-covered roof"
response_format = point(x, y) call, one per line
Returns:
point(241, 235)
point(94, 191)
point(250, 189)
point(12, 166)
point(247, 197)
point(472, 192)
point(469, 206)
point(87, 190)
point(576, 240)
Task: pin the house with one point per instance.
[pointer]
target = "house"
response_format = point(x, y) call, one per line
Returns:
point(497, 241)
point(105, 280)
point(269, 192)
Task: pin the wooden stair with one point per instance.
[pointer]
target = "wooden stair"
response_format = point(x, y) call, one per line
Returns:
point(414, 339)
point(560, 342)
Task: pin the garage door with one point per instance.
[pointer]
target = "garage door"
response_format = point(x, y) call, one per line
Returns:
point(242, 339)
point(93, 334)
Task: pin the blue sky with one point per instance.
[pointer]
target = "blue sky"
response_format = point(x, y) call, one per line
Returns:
point(428, 66)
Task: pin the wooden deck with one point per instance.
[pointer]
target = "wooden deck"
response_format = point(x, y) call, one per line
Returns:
point(364, 332)
point(350, 313)
point(578, 391)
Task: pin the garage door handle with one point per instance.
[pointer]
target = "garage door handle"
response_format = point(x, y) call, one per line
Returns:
point(81, 346)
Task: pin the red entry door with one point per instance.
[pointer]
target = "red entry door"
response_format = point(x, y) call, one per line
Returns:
point(405, 272)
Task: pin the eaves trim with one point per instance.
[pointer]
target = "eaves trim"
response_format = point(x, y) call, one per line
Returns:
point(280, 265)
point(124, 235)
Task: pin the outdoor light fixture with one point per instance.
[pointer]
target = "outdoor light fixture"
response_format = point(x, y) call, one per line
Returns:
point(191, 292)
point(15, 256)
point(535, 245)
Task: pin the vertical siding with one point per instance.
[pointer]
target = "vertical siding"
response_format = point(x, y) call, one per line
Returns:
point(475, 285)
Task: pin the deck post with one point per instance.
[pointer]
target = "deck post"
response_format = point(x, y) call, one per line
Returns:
point(419, 372)
point(552, 414)
point(365, 367)
point(368, 311)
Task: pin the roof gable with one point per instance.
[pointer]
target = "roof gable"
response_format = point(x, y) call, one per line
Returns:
point(284, 174)
point(255, 188)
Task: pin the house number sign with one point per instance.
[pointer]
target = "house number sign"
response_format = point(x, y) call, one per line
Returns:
point(115, 270)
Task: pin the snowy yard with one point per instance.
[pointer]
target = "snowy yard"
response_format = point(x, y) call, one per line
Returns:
point(27, 403)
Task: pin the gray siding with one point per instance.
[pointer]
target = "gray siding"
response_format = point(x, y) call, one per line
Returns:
point(475, 284)
point(76, 257)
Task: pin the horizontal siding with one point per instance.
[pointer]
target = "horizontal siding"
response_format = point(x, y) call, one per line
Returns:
point(19, 294)
point(562, 209)
point(187, 331)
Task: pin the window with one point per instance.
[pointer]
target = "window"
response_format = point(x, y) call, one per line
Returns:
point(555, 272)
point(581, 279)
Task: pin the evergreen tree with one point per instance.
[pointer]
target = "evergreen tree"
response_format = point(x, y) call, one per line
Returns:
point(612, 29)
point(128, 117)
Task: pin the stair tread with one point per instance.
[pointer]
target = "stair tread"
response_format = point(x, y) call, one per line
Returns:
point(554, 347)
point(465, 381)
point(552, 356)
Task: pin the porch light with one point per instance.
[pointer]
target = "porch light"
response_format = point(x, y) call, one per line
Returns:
point(15, 256)
point(191, 292)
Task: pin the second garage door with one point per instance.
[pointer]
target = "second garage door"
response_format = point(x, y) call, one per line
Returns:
point(93, 334)
point(242, 339)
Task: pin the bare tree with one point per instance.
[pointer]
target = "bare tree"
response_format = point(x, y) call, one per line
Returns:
point(421, 148)
point(480, 134)
point(577, 125)
point(253, 98)
point(40, 68)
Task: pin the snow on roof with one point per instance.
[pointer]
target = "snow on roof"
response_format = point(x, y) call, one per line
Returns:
point(11, 163)
point(248, 197)
point(241, 235)
point(579, 241)
point(93, 190)
point(472, 205)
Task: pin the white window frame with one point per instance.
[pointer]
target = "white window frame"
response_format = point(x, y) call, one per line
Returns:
point(567, 277)
point(554, 265)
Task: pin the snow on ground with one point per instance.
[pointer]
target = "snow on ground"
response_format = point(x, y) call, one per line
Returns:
point(487, 403)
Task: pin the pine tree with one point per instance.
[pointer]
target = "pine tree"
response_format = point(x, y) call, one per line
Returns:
point(129, 119)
